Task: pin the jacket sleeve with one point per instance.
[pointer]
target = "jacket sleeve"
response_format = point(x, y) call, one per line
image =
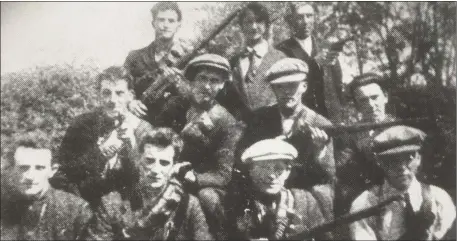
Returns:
point(224, 156)
point(197, 221)
point(231, 100)
point(326, 161)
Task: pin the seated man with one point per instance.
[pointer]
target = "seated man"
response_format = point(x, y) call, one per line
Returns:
point(97, 152)
point(425, 213)
point(166, 211)
point(264, 208)
point(30, 208)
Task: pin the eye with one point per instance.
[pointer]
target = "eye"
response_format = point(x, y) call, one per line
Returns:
point(120, 93)
point(164, 162)
point(40, 168)
point(150, 161)
point(106, 93)
point(23, 168)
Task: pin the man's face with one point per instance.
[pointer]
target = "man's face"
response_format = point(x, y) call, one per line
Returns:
point(289, 94)
point(166, 24)
point(33, 169)
point(269, 176)
point(252, 29)
point(115, 97)
point(207, 83)
point(156, 165)
point(401, 169)
point(371, 102)
point(302, 21)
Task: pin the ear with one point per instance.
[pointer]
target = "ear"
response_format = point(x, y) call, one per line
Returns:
point(303, 86)
point(54, 168)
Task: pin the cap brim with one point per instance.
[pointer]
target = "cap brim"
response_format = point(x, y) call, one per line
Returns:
point(209, 64)
point(399, 150)
point(270, 157)
point(299, 77)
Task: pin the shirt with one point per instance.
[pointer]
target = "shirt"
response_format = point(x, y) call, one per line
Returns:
point(393, 221)
point(260, 49)
point(306, 44)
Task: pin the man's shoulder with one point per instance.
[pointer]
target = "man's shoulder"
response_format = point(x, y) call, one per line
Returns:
point(137, 52)
point(285, 44)
point(66, 199)
point(366, 199)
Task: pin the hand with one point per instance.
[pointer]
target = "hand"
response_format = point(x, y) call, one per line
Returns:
point(206, 121)
point(190, 177)
point(111, 145)
point(171, 73)
point(178, 166)
point(319, 137)
point(137, 108)
point(125, 133)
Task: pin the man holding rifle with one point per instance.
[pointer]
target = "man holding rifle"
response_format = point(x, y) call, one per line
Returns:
point(165, 50)
point(426, 212)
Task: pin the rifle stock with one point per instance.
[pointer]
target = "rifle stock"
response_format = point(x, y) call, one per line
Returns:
point(346, 219)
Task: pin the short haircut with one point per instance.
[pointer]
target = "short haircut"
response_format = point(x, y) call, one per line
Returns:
point(163, 6)
point(163, 137)
point(30, 140)
point(259, 10)
point(293, 6)
point(114, 73)
point(365, 79)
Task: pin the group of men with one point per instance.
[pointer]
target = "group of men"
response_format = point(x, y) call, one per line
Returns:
point(224, 150)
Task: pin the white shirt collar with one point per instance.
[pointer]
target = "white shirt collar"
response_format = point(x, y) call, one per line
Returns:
point(306, 44)
point(414, 191)
point(261, 48)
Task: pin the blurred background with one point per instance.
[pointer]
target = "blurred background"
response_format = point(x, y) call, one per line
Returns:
point(51, 51)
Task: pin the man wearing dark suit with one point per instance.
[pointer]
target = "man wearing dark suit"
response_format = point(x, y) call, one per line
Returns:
point(249, 91)
point(164, 50)
point(98, 150)
point(303, 45)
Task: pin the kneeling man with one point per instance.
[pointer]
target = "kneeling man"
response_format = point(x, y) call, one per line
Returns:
point(166, 211)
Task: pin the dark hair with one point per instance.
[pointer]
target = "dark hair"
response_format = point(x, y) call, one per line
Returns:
point(259, 10)
point(114, 73)
point(163, 137)
point(365, 79)
point(163, 6)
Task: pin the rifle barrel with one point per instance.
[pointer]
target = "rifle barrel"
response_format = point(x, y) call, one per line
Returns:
point(346, 219)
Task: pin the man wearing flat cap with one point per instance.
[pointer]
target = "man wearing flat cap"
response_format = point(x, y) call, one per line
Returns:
point(211, 135)
point(296, 123)
point(426, 212)
point(264, 208)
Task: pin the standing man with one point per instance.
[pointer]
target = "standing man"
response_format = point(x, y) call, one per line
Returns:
point(166, 212)
point(98, 150)
point(265, 209)
point(249, 91)
point(31, 209)
point(425, 213)
point(301, 18)
point(166, 49)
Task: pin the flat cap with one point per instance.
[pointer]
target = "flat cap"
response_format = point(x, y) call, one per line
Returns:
point(396, 140)
point(269, 149)
point(208, 60)
point(287, 70)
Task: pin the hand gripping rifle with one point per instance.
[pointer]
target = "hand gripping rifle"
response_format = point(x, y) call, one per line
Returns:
point(154, 75)
point(346, 219)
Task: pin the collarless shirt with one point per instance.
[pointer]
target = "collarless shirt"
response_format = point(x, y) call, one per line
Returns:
point(261, 50)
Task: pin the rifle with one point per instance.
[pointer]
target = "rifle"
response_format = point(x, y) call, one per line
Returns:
point(346, 219)
point(338, 129)
point(183, 61)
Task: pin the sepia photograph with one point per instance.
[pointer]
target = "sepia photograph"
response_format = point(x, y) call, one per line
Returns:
point(228, 120)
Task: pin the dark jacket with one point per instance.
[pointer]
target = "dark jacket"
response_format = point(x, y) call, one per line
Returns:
point(314, 97)
point(81, 162)
point(139, 63)
point(211, 149)
point(115, 218)
point(241, 98)
point(57, 215)
point(305, 214)
point(266, 123)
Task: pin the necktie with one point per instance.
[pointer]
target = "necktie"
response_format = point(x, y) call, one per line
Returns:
point(410, 219)
point(251, 70)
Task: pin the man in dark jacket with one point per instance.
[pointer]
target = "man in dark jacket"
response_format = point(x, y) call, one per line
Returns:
point(164, 50)
point(265, 209)
point(301, 17)
point(166, 211)
point(30, 208)
point(249, 91)
point(98, 150)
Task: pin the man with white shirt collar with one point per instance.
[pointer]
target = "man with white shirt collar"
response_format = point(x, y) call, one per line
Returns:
point(425, 213)
point(98, 150)
point(249, 91)
point(301, 18)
